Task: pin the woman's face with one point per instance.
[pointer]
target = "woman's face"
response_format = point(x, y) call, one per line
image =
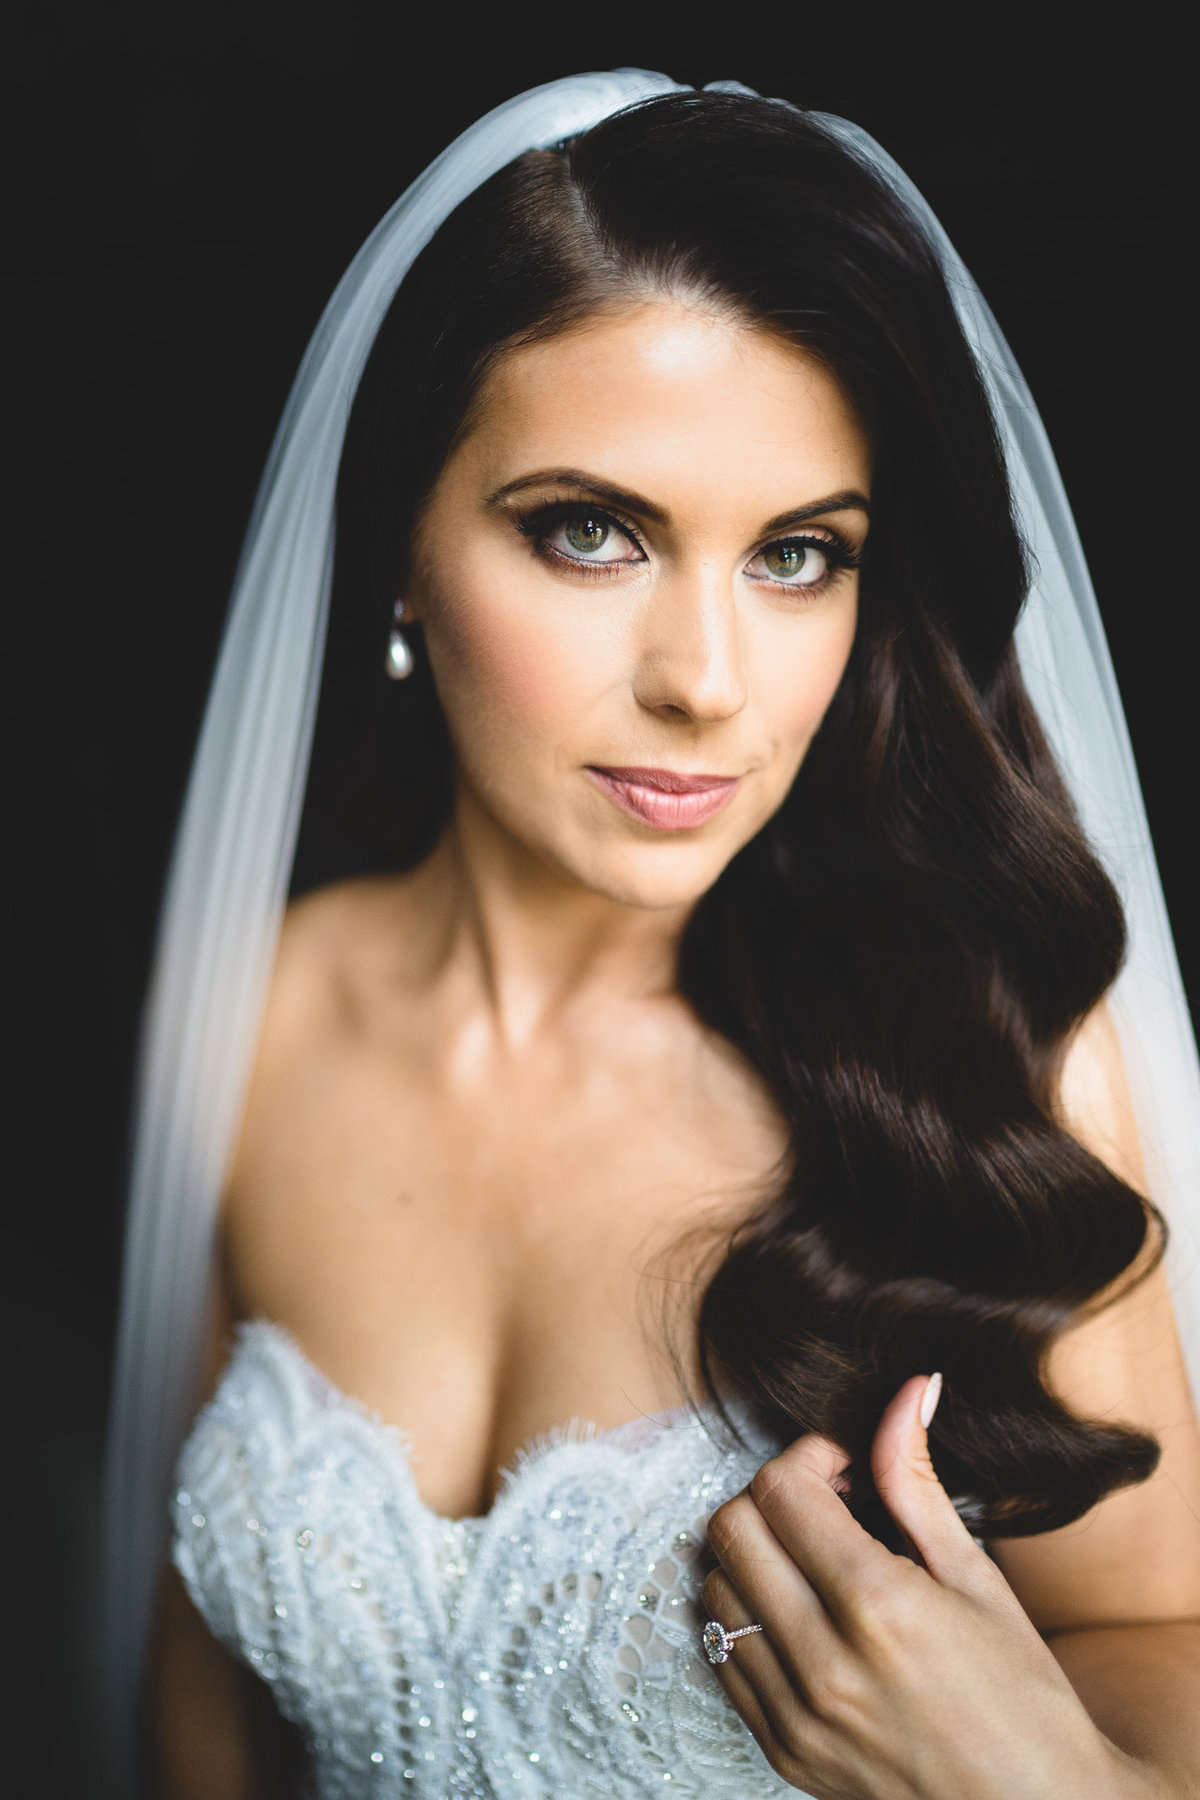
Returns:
point(636, 580)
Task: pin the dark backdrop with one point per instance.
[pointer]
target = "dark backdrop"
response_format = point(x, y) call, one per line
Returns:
point(185, 185)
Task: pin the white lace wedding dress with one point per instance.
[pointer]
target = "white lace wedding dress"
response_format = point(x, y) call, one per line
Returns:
point(548, 1651)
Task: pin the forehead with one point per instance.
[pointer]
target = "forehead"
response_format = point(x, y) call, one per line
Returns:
point(680, 402)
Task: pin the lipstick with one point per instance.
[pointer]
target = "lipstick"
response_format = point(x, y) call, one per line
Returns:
point(664, 798)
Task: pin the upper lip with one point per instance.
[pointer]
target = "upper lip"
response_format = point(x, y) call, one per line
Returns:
point(667, 781)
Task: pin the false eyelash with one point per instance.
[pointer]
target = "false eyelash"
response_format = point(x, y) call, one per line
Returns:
point(842, 554)
point(540, 522)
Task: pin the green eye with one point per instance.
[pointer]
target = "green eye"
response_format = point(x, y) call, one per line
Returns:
point(586, 535)
point(799, 563)
point(571, 533)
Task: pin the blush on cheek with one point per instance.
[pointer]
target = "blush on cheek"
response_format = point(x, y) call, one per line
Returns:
point(494, 663)
point(796, 696)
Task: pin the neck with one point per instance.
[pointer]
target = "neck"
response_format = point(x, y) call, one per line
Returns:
point(520, 938)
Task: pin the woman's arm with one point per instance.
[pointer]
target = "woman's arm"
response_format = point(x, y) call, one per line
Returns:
point(217, 1734)
point(1117, 1595)
point(1135, 1558)
point(1141, 1686)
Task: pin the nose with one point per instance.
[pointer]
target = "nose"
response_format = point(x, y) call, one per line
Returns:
point(691, 662)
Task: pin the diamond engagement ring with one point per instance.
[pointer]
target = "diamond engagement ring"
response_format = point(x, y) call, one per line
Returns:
point(716, 1639)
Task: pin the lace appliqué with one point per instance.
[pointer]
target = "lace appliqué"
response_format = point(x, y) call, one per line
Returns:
point(549, 1649)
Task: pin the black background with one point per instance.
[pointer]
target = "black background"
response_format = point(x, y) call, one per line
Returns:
point(184, 187)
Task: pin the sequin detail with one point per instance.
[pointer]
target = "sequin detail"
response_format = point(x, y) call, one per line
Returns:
point(549, 1649)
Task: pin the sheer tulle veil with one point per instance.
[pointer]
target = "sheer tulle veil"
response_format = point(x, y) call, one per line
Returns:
point(233, 855)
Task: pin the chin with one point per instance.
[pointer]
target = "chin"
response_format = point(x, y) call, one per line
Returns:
point(655, 876)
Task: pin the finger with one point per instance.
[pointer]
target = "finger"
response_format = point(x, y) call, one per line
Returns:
point(752, 1665)
point(822, 1458)
point(775, 1706)
point(795, 1496)
point(742, 1693)
point(773, 1591)
point(908, 1485)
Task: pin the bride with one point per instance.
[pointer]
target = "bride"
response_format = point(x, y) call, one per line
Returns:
point(686, 1316)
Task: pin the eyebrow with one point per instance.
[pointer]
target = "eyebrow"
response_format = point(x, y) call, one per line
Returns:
point(845, 500)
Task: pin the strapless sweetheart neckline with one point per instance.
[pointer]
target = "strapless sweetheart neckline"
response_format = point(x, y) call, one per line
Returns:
point(546, 1648)
point(632, 1434)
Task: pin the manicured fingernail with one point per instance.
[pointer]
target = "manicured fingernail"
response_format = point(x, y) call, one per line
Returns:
point(930, 1398)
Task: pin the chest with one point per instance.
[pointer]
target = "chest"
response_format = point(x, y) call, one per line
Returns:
point(479, 1259)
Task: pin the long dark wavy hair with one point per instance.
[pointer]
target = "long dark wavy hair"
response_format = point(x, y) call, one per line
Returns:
point(904, 950)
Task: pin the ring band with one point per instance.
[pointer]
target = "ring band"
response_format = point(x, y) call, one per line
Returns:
point(716, 1640)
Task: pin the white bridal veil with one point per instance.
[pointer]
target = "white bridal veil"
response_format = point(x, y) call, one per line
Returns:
point(233, 856)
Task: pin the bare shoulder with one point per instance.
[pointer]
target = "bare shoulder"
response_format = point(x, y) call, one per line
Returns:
point(1095, 1102)
point(328, 930)
point(334, 946)
point(340, 959)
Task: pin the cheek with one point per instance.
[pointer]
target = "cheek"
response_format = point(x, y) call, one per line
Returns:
point(798, 677)
point(501, 670)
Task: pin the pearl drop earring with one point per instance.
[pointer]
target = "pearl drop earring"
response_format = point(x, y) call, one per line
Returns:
point(399, 660)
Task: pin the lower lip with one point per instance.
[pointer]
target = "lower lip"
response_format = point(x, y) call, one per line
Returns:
point(665, 811)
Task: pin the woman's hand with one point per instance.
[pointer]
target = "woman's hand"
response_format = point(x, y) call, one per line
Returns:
point(880, 1678)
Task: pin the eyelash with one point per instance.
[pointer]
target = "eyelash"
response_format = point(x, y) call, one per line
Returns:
point(538, 524)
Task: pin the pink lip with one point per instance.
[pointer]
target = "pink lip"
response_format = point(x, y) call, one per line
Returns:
point(665, 799)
